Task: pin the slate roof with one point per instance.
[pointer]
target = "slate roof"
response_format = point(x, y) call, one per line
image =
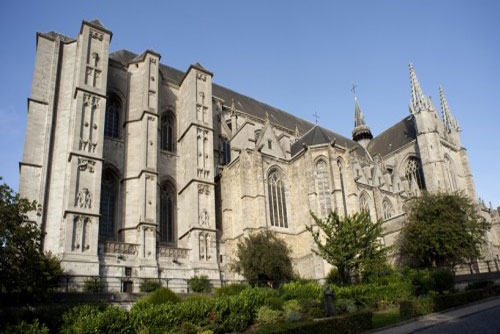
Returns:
point(395, 135)
point(53, 35)
point(393, 138)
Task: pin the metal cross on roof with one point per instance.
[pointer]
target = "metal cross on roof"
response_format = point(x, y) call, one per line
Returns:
point(353, 89)
point(316, 117)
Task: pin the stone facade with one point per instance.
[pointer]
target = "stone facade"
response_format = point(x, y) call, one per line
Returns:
point(144, 171)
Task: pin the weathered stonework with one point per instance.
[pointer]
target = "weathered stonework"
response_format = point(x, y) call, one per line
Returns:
point(144, 171)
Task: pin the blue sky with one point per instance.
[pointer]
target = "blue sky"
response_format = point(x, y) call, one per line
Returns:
point(300, 56)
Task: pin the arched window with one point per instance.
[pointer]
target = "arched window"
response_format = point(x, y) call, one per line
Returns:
point(112, 120)
point(414, 174)
point(226, 151)
point(167, 132)
point(364, 204)
point(450, 171)
point(323, 186)
point(108, 204)
point(277, 200)
point(388, 210)
point(167, 213)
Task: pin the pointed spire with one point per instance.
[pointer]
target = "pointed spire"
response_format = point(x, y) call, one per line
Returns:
point(418, 100)
point(297, 133)
point(361, 132)
point(449, 121)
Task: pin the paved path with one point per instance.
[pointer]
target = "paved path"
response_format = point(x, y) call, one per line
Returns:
point(482, 317)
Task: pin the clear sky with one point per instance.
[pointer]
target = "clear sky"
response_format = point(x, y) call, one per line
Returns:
point(299, 56)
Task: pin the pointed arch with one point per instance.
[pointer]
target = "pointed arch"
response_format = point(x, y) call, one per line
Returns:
point(323, 186)
point(109, 203)
point(168, 209)
point(113, 115)
point(276, 196)
point(387, 209)
point(364, 202)
point(167, 131)
point(414, 174)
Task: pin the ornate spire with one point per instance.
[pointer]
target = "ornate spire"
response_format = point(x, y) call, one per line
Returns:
point(361, 130)
point(418, 100)
point(449, 121)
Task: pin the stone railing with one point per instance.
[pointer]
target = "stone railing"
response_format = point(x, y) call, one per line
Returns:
point(176, 253)
point(113, 247)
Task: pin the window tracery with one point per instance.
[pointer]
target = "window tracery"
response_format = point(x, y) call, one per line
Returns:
point(414, 174)
point(112, 118)
point(388, 209)
point(364, 204)
point(108, 204)
point(277, 199)
point(323, 187)
point(167, 133)
point(450, 171)
point(167, 213)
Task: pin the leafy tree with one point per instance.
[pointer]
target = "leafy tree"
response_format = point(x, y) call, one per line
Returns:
point(263, 257)
point(23, 267)
point(352, 244)
point(441, 230)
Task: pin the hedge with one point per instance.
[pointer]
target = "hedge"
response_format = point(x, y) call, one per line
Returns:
point(420, 306)
point(350, 323)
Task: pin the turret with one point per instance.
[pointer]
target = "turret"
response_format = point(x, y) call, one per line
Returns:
point(361, 132)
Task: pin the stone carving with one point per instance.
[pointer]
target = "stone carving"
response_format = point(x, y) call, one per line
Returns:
point(88, 139)
point(96, 35)
point(81, 233)
point(120, 248)
point(84, 199)
point(202, 76)
point(152, 60)
point(203, 188)
point(204, 218)
point(202, 246)
point(84, 164)
point(176, 253)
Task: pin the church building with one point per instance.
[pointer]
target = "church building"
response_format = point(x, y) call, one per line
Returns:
point(144, 171)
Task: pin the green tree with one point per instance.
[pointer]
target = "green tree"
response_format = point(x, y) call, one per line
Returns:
point(351, 244)
point(441, 230)
point(262, 257)
point(23, 267)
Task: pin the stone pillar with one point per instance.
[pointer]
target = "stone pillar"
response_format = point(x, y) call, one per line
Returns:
point(86, 140)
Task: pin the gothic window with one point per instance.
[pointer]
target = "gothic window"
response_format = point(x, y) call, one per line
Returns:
point(388, 210)
point(340, 166)
point(452, 181)
point(323, 184)
point(226, 151)
point(108, 204)
point(276, 199)
point(364, 204)
point(167, 132)
point(414, 174)
point(112, 121)
point(270, 144)
point(167, 213)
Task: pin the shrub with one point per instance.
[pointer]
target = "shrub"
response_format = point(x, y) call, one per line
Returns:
point(333, 277)
point(415, 307)
point(421, 281)
point(350, 323)
point(443, 279)
point(371, 295)
point(232, 289)
point(91, 319)
point(295, 290)
point(293, 311)
point(157, 297)
point(149, 285)
point(345, 306)
point(200, 284)
point(266, 315)
point(93, 285)
point(275, 303)
point(25, 328)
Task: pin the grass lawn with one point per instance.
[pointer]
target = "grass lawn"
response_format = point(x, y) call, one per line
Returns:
point(386, 317)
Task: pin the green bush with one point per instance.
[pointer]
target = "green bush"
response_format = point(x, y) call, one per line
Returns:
point(93, 285)
point(443, 279)
point(93, 319)
point(345, 306)
point(350, 323)
point(157, 297)
point(373, 295)
point(416, 307)
point(333, 277)
point(150, 285)
point(266, 315)
point(311, 308)
point(293, 311)
point(275, 303)
point(232, 289)
point(25, 328)
point(200, 284)
point(296, 290)
point(421, 281)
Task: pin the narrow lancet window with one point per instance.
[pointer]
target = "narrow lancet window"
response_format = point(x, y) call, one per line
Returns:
point(277, 199)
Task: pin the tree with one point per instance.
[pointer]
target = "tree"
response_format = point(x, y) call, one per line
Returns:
point(24, 268)
point(351, 244)
point(441, 230)
point(262, 257)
